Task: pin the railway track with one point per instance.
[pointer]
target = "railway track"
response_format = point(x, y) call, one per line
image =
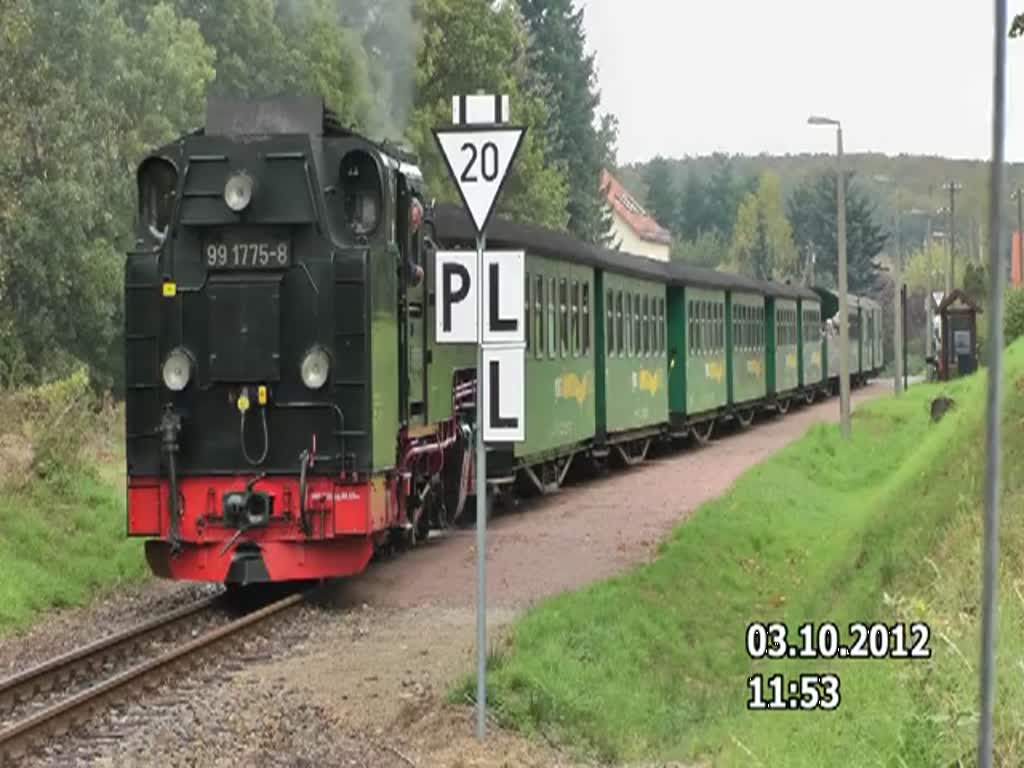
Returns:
point(51, 698)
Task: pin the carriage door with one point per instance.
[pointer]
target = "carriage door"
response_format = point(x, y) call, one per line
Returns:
point(412, 330)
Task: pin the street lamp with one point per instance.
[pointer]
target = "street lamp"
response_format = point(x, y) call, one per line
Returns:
point(844, 318)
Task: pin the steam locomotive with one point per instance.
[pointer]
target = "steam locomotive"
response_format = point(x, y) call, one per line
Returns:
point(287, 410)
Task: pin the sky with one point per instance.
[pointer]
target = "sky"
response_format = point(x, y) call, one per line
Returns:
point(690, 77)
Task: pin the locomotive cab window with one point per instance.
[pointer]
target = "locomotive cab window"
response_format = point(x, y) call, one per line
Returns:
point(361, 193)
point(158, 184)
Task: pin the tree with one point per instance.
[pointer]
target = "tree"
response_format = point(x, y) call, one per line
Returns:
point(467, 45)
point(925, 268)
point(812, 214)
point(563, 74)
point(693, 218)
point(390, 37)
point(662, 198)
point(707, 250)
point(723, 196)
point(84, 96)
point(762, 244)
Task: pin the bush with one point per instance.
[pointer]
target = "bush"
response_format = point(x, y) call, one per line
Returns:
point(44, 430)
point(1014, 321)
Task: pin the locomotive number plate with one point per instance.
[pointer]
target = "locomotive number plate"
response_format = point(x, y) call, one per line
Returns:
point(263, 254)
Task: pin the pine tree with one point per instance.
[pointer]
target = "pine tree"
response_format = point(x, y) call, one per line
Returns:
point(693, 209)
point(662, 198)
point(812, 214)
point(567, 79)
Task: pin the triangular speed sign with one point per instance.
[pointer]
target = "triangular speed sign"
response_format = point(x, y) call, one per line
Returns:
point(478, 160)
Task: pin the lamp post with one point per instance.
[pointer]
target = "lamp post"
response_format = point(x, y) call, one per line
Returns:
point(953, 188)
point(844, 317)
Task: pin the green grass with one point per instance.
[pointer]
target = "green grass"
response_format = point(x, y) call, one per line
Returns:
point(60, 543)
point(652, 664)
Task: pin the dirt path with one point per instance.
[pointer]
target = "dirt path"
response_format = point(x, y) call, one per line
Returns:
point(365, 685)
point(382, 668)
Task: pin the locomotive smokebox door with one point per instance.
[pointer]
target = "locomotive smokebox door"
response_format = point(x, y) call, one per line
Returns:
point(958, 314)
point(244, 325)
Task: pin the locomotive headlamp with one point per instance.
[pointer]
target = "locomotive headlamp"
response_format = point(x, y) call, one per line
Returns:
point(238, 192)
point(177, 369)
point(315, 366)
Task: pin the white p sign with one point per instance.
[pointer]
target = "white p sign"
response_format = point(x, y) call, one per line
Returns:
point(455, 297)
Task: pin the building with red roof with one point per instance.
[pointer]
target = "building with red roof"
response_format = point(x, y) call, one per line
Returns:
point(635, 229)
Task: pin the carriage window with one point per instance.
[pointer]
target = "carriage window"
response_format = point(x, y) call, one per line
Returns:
point(620, 343)
point(701, 323)
point(721, 327)
point(552, 320)
point(661, 326)
point(563, 316)
point(645, 346)
point(586, 318)
point(527, 310)
point(638, 333)
point(575, 318)
point(538, 315)
point(630, 332)
point(689, 327)
point(609, 312)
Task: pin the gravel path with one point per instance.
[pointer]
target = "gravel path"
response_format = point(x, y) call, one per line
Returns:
point(361, 679)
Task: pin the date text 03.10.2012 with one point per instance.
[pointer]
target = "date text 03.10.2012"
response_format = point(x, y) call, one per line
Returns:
point(806, 692)
point(824, 641)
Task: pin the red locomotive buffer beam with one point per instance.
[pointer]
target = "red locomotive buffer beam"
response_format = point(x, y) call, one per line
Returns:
point(342, 523)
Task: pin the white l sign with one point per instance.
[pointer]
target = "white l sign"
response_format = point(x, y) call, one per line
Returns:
point(504, 276)
point(455, 297)
point(478, 160)
point(504, 394)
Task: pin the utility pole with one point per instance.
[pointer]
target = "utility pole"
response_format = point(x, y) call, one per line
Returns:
point(953, 188)
point(928, 349)
point(1018, 195)
point(898, 301)
point(844, 312)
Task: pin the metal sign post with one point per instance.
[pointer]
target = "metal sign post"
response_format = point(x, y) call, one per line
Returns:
point(479, 150)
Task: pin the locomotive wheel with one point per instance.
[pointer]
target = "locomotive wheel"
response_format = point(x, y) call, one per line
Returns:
point(783, 406)
point(809, 396)
point(745, 418)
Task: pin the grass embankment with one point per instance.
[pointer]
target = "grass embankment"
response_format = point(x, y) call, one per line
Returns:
point(884, 528)
point(62, 516)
